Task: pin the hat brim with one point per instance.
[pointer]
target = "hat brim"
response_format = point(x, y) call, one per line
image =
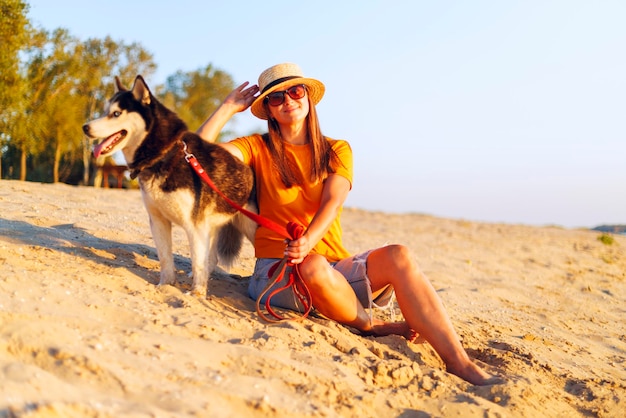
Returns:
point(315, 90)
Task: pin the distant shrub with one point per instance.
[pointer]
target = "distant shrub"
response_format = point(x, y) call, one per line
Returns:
point(606, 239)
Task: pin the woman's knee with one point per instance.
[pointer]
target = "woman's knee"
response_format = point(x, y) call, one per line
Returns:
point(397, 256)
point(315, 269)
point(390, 264)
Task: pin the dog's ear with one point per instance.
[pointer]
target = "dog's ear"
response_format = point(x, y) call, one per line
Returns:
point(118, 85)
point(141, 91)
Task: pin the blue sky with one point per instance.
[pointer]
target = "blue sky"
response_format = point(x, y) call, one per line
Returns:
point(497, 111)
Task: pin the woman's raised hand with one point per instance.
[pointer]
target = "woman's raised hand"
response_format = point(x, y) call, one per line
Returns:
point(242, 97)
point(237, 100)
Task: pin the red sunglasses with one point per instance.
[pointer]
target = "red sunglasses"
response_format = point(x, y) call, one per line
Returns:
point(277, 98)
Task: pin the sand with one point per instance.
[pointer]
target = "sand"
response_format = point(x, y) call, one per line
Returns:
point(85, 331)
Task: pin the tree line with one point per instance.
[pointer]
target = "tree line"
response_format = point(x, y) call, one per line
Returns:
point(51, 83)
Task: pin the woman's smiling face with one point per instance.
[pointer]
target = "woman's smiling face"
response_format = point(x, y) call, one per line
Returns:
point(291, 110)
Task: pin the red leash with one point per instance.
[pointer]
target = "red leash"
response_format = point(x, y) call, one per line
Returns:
point(295, 282)
point(293, 231)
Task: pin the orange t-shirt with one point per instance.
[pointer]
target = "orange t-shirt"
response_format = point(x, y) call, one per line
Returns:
point(298, 203)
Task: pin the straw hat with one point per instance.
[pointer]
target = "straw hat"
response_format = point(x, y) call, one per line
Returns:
point(279, 77)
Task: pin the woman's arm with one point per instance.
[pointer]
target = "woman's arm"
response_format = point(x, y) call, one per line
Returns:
point(334, 194)
point(237, 100)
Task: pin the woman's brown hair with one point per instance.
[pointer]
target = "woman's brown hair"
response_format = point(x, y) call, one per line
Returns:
point(323, 157)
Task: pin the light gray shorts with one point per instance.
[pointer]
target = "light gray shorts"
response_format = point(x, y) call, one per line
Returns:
point(354, 269)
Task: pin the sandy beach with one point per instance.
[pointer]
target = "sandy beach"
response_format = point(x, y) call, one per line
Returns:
point(85, 331)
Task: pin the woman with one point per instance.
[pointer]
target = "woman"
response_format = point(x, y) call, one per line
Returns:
point(305, 177)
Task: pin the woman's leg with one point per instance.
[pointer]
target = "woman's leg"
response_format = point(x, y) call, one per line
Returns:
point(423, 310)
point(332, 295)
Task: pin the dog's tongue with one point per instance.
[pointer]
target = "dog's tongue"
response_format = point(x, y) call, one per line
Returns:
point(102, 146)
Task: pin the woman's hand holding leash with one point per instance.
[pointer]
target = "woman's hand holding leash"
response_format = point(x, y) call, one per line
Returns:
point(297, 250)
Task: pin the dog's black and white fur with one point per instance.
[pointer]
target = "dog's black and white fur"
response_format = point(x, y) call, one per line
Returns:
point(151, 137)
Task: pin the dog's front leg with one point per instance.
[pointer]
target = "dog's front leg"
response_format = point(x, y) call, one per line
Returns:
point(162, 235)
point(199, 238)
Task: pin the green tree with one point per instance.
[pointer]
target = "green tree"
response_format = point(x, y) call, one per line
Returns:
point(55, 108)
point(68, 81)
point(24, 124)
point(14, 31)
point(195, 95)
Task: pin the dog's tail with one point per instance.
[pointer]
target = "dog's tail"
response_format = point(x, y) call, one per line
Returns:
point(229, 243)
point(230, 237)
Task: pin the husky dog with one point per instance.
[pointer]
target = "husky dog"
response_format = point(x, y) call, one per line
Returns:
point(154, 141)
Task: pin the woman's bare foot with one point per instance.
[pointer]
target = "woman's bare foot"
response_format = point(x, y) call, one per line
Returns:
point(467, 370)
point(381, 328)
point(473, 374)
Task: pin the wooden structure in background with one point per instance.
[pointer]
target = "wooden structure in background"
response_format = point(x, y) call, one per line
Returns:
point(113, 170)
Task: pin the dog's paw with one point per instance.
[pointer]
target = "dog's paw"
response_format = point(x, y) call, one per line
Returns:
point(219, 271)
point(219, 274)
point(198, 291)
point(163, 283)
point(167, 279)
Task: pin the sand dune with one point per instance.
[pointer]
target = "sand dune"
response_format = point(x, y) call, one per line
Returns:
point(84, 331)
